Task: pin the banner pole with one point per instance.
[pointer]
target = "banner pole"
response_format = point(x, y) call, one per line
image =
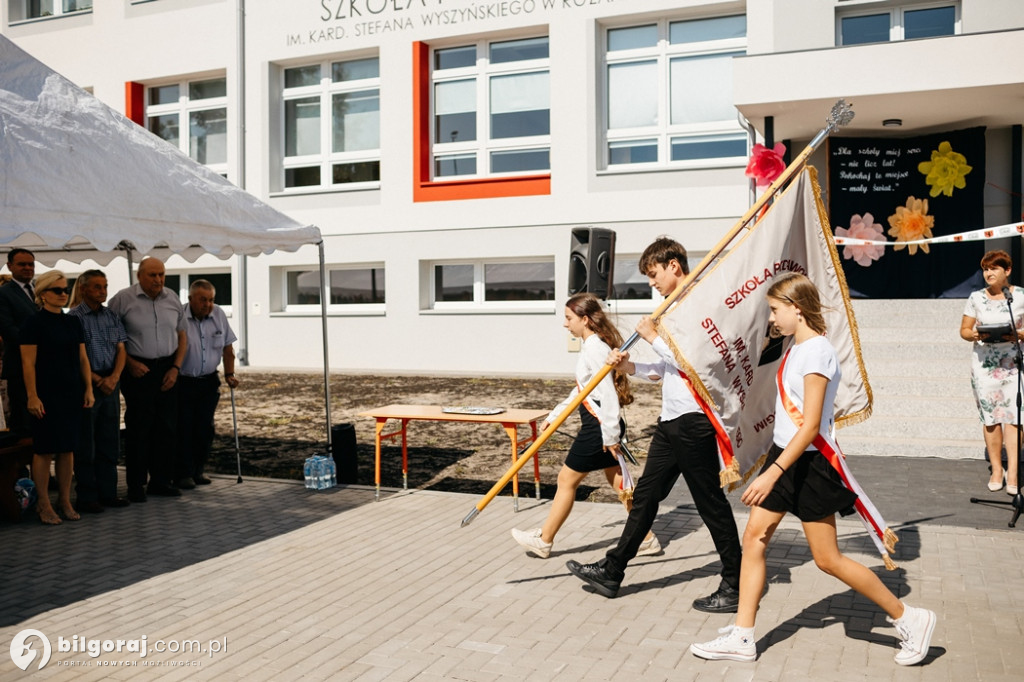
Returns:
point(840, 115)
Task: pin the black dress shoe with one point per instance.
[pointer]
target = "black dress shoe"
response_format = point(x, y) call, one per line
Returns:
point(162, 490)
point(185, 483)
point(202, 480)
point(89, 508)
point(115, 502)
point(723, 600)
point(137, 495)
point(597, 576)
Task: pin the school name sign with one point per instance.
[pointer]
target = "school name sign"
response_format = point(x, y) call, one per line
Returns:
point(347, 19)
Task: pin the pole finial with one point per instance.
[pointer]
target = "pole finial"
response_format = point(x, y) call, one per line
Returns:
point(841, 115)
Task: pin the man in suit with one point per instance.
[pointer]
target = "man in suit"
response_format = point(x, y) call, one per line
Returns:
point(17, 304)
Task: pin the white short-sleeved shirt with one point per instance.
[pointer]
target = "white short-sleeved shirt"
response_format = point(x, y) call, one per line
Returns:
point(814, 356)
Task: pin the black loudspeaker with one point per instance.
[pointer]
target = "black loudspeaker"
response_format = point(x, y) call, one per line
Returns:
point(591, 261)
point(343, 450)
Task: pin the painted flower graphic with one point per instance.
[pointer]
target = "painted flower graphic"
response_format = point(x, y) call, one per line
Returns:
point(863, 228)
point(945, 171)
point(766, 164)
point(911, 222)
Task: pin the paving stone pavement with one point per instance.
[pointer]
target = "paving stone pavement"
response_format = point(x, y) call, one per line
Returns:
point(295, 584)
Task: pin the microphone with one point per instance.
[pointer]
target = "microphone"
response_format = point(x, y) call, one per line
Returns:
point(1007, 294)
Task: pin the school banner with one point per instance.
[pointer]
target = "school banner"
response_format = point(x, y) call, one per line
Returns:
point(908, 190)
point(720, 332)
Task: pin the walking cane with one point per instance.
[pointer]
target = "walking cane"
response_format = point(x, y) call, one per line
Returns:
point(234, 423)
point(840, 115)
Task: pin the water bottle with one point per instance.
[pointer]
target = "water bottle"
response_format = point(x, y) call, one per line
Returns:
point(307, 471)
point(320, 473)
point(332, 469)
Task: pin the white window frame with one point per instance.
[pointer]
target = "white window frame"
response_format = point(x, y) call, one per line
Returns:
point(896, 21)
point(19, 11)
point(356, 308)
point(279, 295)
point(185, 106)
point(479, 304)
point(326, 158)
point(664, 131)
point(482, 147)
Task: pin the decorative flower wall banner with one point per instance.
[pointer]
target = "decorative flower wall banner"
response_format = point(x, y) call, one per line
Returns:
point(766, 164)
point(868, 233)
point(945, 171)
point(918, 188)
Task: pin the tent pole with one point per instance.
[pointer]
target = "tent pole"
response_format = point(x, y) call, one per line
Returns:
point(128, 255)
point(327, 364)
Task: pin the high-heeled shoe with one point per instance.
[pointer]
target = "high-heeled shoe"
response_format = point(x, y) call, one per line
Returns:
point(996, 487)
point(1011, 489)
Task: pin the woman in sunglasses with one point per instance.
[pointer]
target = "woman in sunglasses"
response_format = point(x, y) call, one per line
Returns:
point(57, 376)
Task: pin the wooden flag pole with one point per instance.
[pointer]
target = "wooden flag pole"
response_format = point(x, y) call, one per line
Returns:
point(840, 115)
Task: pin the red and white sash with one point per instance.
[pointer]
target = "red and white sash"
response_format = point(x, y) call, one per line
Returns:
point(728, 468)
point(884, 538)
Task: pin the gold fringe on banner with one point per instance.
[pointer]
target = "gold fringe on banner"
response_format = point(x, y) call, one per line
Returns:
point(826, 229)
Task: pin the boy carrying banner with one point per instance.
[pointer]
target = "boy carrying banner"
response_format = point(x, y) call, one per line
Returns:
point(685, 442)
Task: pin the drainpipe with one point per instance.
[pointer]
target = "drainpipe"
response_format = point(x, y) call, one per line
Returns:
point(242, 309)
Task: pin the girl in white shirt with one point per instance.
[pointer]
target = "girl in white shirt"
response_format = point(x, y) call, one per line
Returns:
point(798, 477)
point(596, 446)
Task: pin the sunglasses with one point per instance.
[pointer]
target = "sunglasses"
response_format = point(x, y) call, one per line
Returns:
point(59, 290)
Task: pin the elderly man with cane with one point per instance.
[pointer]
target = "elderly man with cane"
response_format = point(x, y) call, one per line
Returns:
point(209, 341)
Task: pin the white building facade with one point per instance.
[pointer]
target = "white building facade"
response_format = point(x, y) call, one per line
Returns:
point(447, 148)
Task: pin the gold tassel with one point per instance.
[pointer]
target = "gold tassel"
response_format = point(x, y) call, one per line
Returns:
point(889, 539)
point(730, 474)
point(626, 498)
point(890, 565)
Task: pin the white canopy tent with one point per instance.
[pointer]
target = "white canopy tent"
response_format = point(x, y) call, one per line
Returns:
point(80, 181)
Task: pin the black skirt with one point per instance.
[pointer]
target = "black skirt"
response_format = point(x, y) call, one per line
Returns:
point(587, 452)
point(810, 489)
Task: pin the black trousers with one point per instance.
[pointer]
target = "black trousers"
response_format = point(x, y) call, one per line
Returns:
point(197, 403)
point(685, 445)
point(151, 422)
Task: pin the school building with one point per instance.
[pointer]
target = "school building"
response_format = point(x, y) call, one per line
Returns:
point(447, 148)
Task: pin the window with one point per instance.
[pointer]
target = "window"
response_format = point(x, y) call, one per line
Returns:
point(192, 116)
point(627, 282)
point(36, 9)
point(353, 288)
point(665, 100)
point(179, 282)
point(491, 109)
point(332, 124)
point(898, 23)
point(499, 284)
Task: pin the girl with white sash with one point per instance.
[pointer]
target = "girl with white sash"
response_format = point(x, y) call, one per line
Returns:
point(804, 474)
point(596, 446)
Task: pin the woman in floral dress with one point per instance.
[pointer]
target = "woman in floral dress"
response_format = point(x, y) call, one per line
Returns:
point(993, 372)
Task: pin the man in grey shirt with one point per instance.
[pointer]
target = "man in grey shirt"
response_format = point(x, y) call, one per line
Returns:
point(154, 319)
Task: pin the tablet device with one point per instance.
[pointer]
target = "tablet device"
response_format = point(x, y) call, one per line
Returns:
point(996, 332)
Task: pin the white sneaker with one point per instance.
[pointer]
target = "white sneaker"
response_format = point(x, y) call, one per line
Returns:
point(530, 539)
point(649, 547)
point(915, 628)
point(735, 644)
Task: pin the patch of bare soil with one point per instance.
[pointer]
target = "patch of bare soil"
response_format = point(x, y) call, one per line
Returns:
point(281, 422)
